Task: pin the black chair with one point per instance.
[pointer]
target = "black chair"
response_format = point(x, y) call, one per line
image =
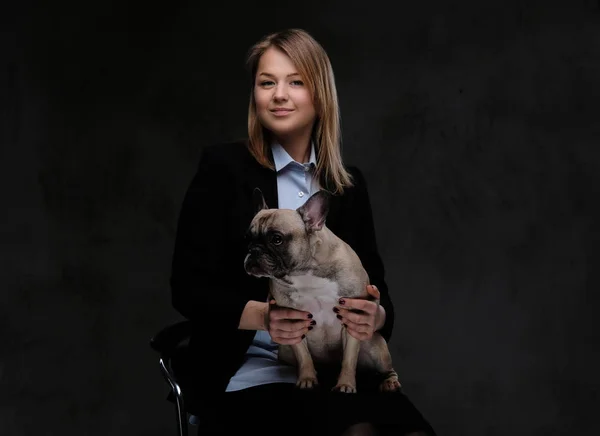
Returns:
point(171, 343)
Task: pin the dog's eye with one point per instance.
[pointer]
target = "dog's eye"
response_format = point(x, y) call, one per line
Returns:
point(276, 239)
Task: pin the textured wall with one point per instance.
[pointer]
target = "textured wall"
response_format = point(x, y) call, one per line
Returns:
point(477, 126)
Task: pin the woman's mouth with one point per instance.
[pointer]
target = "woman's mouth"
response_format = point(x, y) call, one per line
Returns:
point(281, 112)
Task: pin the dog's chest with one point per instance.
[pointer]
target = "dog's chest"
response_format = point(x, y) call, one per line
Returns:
point(316, 295)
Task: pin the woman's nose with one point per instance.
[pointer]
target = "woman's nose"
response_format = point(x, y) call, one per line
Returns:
point(280, 93)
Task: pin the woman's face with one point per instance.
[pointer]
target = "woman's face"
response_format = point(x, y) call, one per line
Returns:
point(284, 104)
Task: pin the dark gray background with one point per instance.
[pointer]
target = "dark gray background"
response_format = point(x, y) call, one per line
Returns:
point(476, 125)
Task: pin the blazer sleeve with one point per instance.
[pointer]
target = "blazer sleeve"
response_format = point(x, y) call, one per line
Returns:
point(368, 251)
point(202, 256)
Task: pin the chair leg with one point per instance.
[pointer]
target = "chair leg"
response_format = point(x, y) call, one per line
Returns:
point(182, 428)
point(181, 417)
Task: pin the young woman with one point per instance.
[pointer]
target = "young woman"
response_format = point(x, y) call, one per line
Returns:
point(235, 382)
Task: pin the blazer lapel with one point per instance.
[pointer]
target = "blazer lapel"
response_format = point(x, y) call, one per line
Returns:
point(265, 179)
point(267, 182)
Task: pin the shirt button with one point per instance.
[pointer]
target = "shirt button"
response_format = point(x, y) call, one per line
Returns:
point(300, 194)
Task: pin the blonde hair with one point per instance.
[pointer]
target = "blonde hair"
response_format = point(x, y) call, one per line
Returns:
point(314, 66)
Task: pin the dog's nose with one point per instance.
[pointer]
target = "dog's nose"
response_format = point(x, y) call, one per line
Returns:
point(254, 251)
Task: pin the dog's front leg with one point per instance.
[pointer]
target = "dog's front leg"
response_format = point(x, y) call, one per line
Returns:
point(347, 378)
point(307, 375)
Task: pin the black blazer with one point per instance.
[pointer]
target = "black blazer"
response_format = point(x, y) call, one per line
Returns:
point(208, 282)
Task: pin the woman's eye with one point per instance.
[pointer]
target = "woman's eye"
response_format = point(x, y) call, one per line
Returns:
point(276, 239)
point(270, 83)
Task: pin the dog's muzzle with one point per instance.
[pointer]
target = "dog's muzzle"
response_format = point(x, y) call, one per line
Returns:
point(252, 261)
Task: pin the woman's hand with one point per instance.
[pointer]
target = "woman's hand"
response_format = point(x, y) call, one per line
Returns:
point(287, 326)
point(361, 317)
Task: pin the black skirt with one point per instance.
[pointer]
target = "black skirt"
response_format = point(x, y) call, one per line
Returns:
point(283, 409)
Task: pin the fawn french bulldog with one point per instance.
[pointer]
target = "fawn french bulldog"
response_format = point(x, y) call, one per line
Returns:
point(310, 269)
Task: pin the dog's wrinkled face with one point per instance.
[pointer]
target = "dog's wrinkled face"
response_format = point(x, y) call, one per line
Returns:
point(277, 243)
point(279, 240)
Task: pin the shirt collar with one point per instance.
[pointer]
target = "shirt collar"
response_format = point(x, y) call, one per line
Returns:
point(282, 159)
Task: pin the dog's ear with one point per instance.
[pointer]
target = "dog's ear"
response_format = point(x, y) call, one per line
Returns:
point(258, 200)
point(314, 211)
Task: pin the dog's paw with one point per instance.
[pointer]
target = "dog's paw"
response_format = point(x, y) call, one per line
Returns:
point(307, 383)
point(390, 384)
point(344, 387)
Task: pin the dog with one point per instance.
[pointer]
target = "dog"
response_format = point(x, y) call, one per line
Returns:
point(310, 269)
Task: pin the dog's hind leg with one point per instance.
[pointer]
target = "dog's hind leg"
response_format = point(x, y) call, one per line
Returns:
point(375, 354)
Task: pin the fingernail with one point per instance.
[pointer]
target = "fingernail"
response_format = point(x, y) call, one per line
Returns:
point(313, 322)
point(310, 327)
point(336, 310)
point(339, 316)
point(303, 336)
point(309, 315)
point(345, 325)
point(342, 301)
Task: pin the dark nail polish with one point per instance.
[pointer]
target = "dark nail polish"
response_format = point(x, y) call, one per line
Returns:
point(342, 301)
point(310, 327)
point(336, 310)
point(303, 336)
point(345, 325)
point(339, 316)
point(313, 322)
point(309, 315)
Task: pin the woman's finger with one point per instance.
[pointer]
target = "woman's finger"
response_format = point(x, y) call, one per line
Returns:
point(290, 325)
point(359, 328)
point(283, 337)
point(357, 303)
point(357, 318)
point(289, 335)
point(284, 313)
point(373, 292)
point(284, 341)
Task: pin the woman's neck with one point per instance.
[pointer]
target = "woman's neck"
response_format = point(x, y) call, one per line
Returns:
point(298, 149)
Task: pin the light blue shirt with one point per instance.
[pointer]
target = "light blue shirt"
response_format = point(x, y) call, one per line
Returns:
point(295, 184)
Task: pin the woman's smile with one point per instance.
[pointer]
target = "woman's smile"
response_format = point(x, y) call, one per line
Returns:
point(280, 112)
